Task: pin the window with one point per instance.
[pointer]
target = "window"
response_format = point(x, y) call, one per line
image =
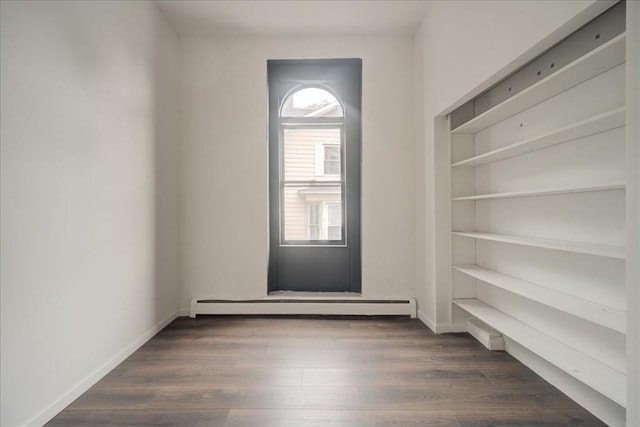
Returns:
point(327, 155)
point(311, 125)
point(314, 222)
point(334, 222)
point(325, 221)
point(331, 160)
point(314, 174)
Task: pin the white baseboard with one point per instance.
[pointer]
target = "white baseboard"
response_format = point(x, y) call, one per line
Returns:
point(457, 329)
point(183, 312)
point(437, 328)
point(306, 305)
point(75, 391)
point(427, 320)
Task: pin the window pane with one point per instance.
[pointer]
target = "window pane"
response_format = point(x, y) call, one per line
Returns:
point(334, 222)
point(305, 153)
point(311, 102)
point(335, 232)
point(331, 160)
point(331, 152)
point(335, 215)
point(312, 212)
point(314, 222)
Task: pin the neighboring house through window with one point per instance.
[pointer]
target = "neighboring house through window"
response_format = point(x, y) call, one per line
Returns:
point(327, 159)
point(312, 136)
point(334, 222)
point(325, 221)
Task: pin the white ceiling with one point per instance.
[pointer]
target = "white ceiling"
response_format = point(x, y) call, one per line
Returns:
point(278, 17)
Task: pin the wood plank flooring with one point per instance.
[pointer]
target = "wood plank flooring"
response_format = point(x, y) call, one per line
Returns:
point(292, 371)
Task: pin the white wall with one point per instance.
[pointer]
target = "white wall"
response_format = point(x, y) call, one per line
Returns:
point(464, 43)
point(89, 219)
point(224, 197)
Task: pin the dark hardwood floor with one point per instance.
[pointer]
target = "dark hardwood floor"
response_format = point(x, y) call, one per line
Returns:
point(289, 371)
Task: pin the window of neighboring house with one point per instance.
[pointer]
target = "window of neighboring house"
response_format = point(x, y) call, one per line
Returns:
point(327, 159)
point(325, 221)
point(314, 222)
point(332, 160)
point(334, 222)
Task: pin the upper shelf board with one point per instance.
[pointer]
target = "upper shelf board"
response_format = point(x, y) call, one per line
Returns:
point(587, 66)
point(593, 125)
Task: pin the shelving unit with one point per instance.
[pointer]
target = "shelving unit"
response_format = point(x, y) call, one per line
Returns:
point(574, 304)
point(563, 301)
point(599, 376)
point(559, 245)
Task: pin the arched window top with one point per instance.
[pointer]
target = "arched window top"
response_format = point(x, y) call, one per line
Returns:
point(311, 102)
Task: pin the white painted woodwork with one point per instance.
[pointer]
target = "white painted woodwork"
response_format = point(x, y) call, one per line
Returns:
point(538, 221)
point(599, 376)
point(594, 341)
point(591, 218)
point(559, 245)
point(544, 192)
point(593, 160)
point(589, 310)
point(596, 124)
point(590, 65)
point(557, 112)
point(316, 305)
point(594, 278)
point(485, 334)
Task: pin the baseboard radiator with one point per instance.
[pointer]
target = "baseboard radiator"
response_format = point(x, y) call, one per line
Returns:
point(311, 305)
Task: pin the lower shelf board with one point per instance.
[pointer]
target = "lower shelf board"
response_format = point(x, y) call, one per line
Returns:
point(600, 377)
point(597, 313)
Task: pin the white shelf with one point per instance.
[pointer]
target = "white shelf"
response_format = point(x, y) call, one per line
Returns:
point(560, 245)
point(596, 124)
point(591, 372)
point(587, 66)
point(597, 313)
point(545, 192)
